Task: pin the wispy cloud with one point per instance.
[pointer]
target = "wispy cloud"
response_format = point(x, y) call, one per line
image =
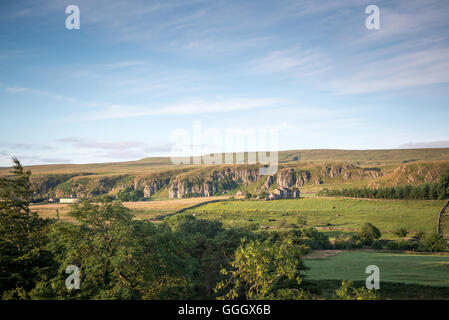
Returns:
point(27, 159)
point(130, 150)
point(309, 63)
point(301, 62)
point(26, 146)
point(405, 70)
point(91, 144)
point(195, 106)
point(16, 90)
point(124, 64)
point(405, 21)
point(426, 145)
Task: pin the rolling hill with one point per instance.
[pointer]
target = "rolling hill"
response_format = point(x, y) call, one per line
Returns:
point(308, 170)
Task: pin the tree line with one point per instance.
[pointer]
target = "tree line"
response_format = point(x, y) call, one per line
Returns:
point(122, 258)
point(428, 191)
point(119, 257)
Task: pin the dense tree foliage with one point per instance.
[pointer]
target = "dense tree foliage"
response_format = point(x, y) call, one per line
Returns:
point(427, 191)
point(119, 258)
point(444, 185)
point(23, 257)
point(265, 270)
point(348, 292)
point(433, 242)
point(129, 194)
point(368, 234)
point(122, 258)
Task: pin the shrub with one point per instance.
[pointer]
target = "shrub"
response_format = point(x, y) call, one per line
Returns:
point(305, 236)
point(129, 194)
point(419, 235)
point(274, 269)
point(347, 243)
point(316, 239)
point(348, 292)
point(358, 244)
point(376, 245)
point(392, 245)
point(408, 245)
point(340, 244)
point(402, 245)
point(401, 232)
point(433, 242)
point(368, 234)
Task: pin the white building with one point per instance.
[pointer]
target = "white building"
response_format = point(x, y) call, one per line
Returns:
point(69, 200)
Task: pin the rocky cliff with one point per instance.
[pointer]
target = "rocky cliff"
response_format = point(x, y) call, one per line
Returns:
point(87, 186)
point(216, 180)
point(293, 177)
point(150, 184)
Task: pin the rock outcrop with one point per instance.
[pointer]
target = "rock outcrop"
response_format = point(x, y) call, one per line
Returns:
point(286, 178)
point(87, 187)
point(269, 182)
point(302, 178)
point(211, 180)
point(213, 183)
point(150, 185)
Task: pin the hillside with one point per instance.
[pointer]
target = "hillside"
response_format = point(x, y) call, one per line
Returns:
point(308, 170)
point(365, 157)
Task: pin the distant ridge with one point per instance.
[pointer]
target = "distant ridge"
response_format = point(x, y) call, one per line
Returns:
point(359, 157)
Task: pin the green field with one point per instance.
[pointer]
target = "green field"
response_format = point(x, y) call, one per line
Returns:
point(428, 270)
point(332, 215)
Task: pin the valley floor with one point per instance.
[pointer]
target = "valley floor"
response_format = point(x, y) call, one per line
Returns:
point(142, 210)
point(402, 275)
point(335, 216)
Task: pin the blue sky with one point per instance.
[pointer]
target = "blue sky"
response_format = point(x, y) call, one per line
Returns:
point(136, 71)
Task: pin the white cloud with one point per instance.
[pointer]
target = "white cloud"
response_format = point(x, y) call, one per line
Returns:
point(124, 64)
point(196, 106)
point(91, 144)
point(93, 150)
point(405, 70)
point(425, 145)
point(301, 62)
point(16, 90)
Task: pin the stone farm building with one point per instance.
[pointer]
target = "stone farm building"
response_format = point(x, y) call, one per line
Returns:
point(284, 193)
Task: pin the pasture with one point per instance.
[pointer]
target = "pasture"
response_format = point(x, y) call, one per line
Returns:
point(418, 269)
point(332, 215)
point(142, 210)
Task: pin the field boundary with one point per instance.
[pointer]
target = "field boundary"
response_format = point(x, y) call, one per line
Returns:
point(188, 208)
point(439, 217)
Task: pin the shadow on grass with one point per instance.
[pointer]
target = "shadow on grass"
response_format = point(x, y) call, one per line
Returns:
point(388, 290)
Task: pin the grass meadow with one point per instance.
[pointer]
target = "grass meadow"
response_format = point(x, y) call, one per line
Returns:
point(142, 209)
point(403, 275)
point(331, 215)
point(334, 216)
point(419, 269)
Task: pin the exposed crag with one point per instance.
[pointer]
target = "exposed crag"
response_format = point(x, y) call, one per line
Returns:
point(212, 180)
